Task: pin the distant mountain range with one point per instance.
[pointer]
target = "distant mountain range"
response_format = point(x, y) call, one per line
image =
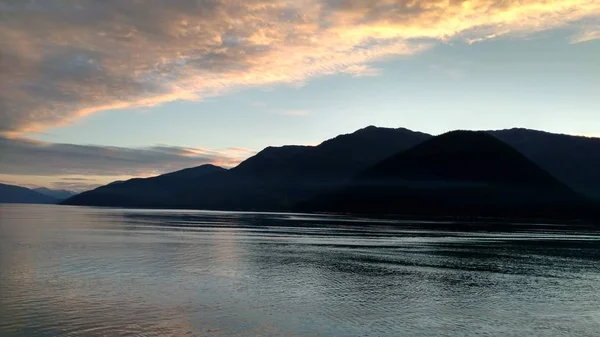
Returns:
point(285, 178)
point(60, 195)
point(22, 195)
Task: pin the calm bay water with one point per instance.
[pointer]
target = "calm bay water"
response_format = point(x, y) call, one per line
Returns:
point(76, 271)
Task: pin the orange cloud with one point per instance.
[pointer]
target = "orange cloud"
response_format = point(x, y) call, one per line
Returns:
point(361, 70)
point(59, 62)
point(587, 34)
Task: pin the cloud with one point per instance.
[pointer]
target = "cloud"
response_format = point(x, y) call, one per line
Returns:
point(361, 71)
point(79, 184)
point(24, 157)
point(586, 34)
point(62, 182)
point(61, 60)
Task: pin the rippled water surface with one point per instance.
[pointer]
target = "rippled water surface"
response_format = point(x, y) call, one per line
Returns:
point(75, 271)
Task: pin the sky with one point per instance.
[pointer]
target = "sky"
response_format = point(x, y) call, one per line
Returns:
point(97, 91)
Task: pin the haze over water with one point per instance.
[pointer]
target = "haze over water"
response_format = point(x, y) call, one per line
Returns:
point(76, 271)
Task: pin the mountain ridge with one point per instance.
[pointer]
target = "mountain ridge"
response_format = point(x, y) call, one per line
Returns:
point(460, 173)
point(572, 159)
point(123, 193)
point(277, 178)
point(23, 195)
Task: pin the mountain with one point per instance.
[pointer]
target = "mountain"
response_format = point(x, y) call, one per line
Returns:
point(337, 158)
point(21, 195)
point(56, 194)
point(278, 178)
point(274, 179)
point(572, 159)
point(143, 192)
point(460, 173)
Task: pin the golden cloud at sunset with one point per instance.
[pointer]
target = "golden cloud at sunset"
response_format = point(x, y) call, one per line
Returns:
point(60, 61)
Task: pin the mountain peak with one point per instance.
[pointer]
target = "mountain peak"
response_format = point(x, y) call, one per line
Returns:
point(369, 128)
point(197, 170)
point(462, 155)
point(271, 157)
point(373, 128)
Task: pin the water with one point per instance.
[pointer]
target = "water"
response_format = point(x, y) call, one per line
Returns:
point(75, 271)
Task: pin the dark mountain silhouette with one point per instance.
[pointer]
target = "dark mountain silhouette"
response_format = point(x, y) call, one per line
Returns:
point(338, 158)
point(274, 179)
point(279, 178)
point(56, 194)
point(22, 195)
point(572, 159)
point(461, 173)
point(143, 192)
